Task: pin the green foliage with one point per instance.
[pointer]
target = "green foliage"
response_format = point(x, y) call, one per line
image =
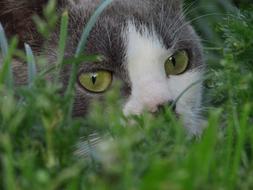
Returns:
point(38, 148)
point(233, 72)
point(46, 24)
point(208, 14)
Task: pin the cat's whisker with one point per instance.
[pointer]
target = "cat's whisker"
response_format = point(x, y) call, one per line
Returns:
point(201, 68)
point(187, 8)
point(12, 6)
point(187, 89)
point(202, 109)
point(180, 17)
point(203, 41)
point(187, 40)
point(155, 31)
point(191, 21)
point(87, 145)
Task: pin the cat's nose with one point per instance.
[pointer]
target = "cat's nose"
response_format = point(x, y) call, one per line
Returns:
point(147, 95)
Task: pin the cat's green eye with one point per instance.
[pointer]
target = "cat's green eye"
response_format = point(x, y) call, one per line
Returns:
point(96, 82)
point(177, 64)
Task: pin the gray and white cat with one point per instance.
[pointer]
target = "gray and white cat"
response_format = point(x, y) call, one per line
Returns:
point(146, 44)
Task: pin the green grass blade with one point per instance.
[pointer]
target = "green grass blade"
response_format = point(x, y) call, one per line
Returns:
point(6, 70)
point(80, 49)
point(83, 41)
point(6, 75)
point(83, 58)
point(7, 162)
point(241, 124)
point(31, 65)
point(63, 38)
point(73, 60)
point(3, 42)
point(90, 25)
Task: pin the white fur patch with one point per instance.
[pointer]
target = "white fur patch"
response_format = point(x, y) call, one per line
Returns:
point(145, 58)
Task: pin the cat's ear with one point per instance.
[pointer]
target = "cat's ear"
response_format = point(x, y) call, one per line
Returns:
point(16, 16)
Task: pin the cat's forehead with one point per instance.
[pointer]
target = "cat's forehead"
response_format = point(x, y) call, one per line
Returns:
point(165, 15)
point(161, 15)
point(108, 35)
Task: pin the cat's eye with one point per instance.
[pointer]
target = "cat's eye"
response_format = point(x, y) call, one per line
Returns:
point(177, 63)
point(96, 82)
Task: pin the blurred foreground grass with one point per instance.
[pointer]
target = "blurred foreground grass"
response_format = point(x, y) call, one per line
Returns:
point(37, 145)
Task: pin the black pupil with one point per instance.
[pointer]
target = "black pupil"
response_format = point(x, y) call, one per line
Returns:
point(173, 61)
point(94, 79)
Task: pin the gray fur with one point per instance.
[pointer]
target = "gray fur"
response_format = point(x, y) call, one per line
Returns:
point(106, 39)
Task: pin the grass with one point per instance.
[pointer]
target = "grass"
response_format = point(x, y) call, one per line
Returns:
point(37, 144)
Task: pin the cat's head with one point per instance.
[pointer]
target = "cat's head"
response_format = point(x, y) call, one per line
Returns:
point(147, 45)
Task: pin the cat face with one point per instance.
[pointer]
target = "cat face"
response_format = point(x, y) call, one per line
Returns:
point(147, 45)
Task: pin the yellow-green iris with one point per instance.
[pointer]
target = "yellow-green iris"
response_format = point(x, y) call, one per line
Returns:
point(96, 82)
point(177, 64)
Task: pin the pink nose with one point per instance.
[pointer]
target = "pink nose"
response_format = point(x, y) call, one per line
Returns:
point(152, 103)
point(148, 95)
point(153, 100)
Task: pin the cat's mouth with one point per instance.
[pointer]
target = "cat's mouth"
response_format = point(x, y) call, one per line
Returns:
point(170, 105)
point(162, 109)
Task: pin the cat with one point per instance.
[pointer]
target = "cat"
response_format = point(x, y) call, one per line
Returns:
point(148, 45)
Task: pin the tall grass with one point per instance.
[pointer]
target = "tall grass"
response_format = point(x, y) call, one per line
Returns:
point(37, 145)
